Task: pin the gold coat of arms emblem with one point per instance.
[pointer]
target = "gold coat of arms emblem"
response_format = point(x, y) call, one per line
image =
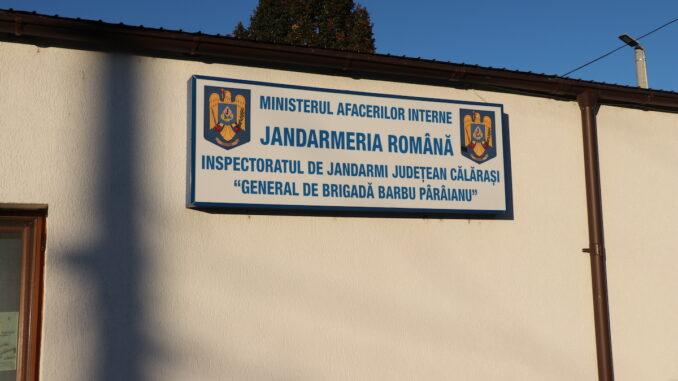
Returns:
point(478, 135)
point(228, 124)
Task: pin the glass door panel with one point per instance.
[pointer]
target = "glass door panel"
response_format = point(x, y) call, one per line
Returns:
point(11, 255)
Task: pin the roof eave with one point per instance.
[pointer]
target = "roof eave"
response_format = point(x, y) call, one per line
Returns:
point(44, 30)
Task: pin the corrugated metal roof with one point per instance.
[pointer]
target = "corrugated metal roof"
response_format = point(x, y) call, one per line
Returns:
point(34, 28)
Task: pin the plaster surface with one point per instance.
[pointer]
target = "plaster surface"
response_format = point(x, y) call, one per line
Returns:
point(138, 287)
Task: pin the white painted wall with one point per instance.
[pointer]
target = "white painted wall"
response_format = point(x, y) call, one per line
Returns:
point(140, 288)
point(639, 184)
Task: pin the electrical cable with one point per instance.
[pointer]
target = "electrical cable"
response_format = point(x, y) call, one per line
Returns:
point(614, 50)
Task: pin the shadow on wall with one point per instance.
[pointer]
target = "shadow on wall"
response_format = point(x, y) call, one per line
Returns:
point(115, 264)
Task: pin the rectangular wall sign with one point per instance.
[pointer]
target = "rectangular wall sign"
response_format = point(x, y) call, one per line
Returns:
point(267, 145)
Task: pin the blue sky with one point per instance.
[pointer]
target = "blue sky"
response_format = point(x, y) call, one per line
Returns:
point(539, 36)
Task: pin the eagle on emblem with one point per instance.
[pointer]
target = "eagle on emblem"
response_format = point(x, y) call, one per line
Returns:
point(477, 136)
point(227, 117)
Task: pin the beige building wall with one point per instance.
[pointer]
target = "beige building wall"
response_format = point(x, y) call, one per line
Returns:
point(639, 184)
point(137, 286)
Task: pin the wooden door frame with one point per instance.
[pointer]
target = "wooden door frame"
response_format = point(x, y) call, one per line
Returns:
point(31, 224)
